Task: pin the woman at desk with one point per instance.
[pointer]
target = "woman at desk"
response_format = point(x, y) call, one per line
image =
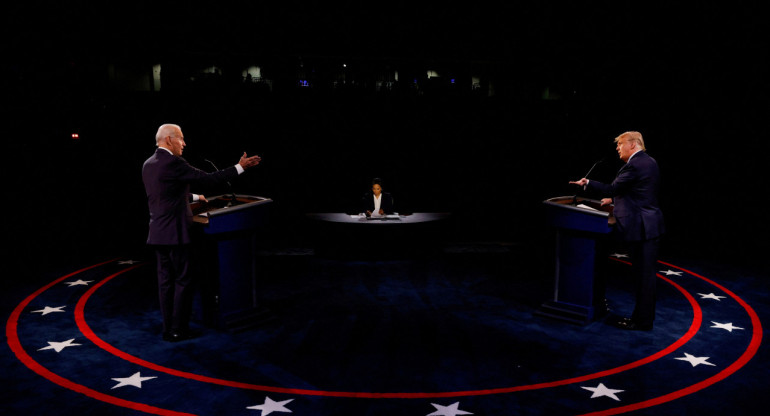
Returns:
point(377, 202)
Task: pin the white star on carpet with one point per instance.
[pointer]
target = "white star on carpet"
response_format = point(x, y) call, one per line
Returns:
point(48, 309)
point(695, 361)
point(671, 272)
point(728, 326)
point(711, 296)
point(451, 410)
point(135, 380)
point(619, 256)
point(601, 390)
point(270, 406)
point(59, 346)
point(79, 282)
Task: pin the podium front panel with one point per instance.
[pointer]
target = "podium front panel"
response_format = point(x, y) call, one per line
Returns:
point(579, 224)
point(231, 226)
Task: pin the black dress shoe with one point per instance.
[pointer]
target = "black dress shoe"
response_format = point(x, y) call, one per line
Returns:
point(602, 308)
point(631, 325)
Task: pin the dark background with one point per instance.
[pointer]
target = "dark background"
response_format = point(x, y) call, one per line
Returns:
point(557, 83)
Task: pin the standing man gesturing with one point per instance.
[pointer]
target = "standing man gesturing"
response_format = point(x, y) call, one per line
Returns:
point(167, 178)
point(638, 220)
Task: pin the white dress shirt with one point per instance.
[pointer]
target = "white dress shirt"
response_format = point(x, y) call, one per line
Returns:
point(377, 200)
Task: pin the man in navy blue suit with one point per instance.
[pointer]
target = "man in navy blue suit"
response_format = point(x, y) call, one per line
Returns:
point(167, 178)
point(638, 220)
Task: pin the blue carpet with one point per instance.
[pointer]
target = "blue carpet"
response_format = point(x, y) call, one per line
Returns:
point(449, 333)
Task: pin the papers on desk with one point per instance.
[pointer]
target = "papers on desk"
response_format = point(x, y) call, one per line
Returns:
point(376, 217)
point(385, 217)
point(587, 207)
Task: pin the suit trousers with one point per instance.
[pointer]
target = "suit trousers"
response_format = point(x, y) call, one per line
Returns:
point(644, 257)
point(174, 286)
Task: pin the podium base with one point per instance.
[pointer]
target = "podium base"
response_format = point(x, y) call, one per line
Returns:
point(567, 312)
point(246, 319)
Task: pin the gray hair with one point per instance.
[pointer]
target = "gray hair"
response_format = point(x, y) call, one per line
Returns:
point(166, 130)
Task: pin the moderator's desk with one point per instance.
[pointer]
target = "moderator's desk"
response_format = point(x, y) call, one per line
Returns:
point(340, 233)
point(416, 218)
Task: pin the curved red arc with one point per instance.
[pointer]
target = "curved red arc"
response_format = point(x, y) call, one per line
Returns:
point(14, 343)
point(751, 350)
point(11, 332)
point(86, 330)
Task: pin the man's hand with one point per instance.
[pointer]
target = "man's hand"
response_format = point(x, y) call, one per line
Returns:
point(582, 182)
point(606, 201)
point(249, 162)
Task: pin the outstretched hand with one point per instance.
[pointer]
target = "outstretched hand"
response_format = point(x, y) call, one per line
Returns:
point(582, 182)
point(249, 162)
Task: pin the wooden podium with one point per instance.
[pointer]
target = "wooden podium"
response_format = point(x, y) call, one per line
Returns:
point(580, 223)
point(230, 226)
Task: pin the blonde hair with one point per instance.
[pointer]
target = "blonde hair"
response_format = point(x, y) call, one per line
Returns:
point(633, 136)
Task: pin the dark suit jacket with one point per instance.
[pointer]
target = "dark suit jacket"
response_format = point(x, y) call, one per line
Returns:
point(167, 180)
point(386, 202)
point(635, 195)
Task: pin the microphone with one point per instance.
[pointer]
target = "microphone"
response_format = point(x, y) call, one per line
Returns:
point(592, 167)
point(211, 163)
point(574, 198)
point(229, 185)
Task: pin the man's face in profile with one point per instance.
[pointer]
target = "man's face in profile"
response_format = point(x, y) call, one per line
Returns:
point(625, 148)
point(176, 143)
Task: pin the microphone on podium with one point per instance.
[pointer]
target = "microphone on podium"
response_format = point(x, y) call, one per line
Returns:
point(574, 198)
point(592, 167)
point(229, 185)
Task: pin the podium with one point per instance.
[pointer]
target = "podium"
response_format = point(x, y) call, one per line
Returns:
point(580, 225)
point(228, 228)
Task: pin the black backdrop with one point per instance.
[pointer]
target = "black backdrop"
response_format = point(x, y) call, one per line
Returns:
point(693, 81)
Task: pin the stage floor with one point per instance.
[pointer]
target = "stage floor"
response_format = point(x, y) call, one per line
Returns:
point(450, 333)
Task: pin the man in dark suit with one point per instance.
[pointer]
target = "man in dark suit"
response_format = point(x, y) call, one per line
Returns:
point(638, 220)
point(167, 178)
